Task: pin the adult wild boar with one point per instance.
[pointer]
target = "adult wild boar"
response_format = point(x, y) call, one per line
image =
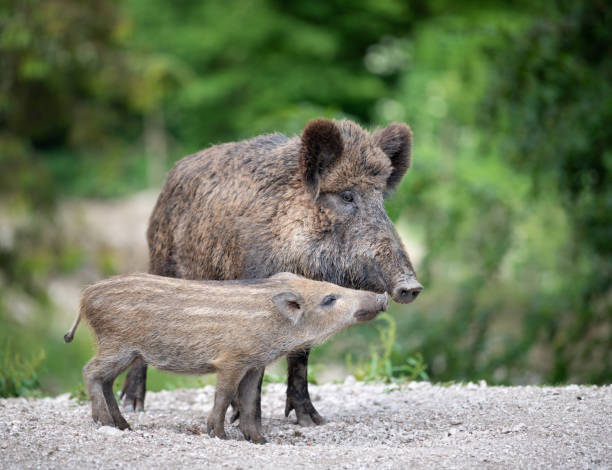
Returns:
point(311, 205)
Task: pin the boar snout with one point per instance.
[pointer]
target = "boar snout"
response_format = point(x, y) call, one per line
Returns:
point(406, 290)
point(375, 304)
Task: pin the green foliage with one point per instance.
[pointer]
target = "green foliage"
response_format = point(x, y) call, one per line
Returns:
point(509, 285)
point(507, 208)
point(382, 365)
point(266, 65)
point(553, 94)
point(79, 393)
point(19, 375)
point(274, 379)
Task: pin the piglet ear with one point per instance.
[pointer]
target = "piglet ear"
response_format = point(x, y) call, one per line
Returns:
point(395, 140)
point(290, 305)
point(321, 146)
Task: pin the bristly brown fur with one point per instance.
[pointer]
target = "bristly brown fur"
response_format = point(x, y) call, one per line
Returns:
point(231, 328)
point(246, 210)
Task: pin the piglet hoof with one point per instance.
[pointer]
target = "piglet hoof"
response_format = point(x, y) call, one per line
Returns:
point(258, 440)
point(134, 389)
point(252, 434)
point(122, 424)
point(214, 432)
point(102, 418)
point(130, 398)
point(304, 410)
point(235, 413)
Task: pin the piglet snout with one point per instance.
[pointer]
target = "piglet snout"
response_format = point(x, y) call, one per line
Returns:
point(372, 305)
point(383, 302)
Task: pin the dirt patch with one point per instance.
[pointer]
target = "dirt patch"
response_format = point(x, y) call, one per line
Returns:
point(369, 426)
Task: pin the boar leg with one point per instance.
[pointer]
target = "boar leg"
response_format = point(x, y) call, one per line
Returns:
point(227, 386)
point(249, 401)
point(298, 398)
point(134, 387)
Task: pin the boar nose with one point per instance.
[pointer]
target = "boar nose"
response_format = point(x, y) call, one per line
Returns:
point(406, 291)
point(382, 301)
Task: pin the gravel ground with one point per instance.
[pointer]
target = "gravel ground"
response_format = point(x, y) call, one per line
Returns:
point(369, 426)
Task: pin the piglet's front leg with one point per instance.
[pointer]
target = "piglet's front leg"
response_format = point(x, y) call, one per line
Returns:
point(227, 386)
point(249, 401)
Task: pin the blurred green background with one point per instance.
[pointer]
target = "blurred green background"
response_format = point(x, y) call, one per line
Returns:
point(507, 210)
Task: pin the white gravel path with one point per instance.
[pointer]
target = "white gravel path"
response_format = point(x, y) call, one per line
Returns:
point(369, 426)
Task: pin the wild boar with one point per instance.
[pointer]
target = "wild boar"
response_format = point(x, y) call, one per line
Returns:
point(231, 328)
point(310, 204)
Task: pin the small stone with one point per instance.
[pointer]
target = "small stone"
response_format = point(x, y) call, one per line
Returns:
point(349, 380)
point(110, 431)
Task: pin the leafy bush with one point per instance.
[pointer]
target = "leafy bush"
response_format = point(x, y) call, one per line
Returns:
point(19, 375)
point(382, 365)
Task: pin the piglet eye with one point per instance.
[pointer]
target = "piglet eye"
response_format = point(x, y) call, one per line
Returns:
point(329, 300)
point(347, 196)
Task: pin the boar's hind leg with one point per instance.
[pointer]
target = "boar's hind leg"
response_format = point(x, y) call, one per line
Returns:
point(227, 386)
point(134, 386)
point(249, 401)
point(298, 398)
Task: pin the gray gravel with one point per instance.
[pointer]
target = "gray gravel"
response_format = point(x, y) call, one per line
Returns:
point(369, 426)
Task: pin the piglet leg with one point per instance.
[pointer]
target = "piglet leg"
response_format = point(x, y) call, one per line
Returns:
point(249, 400)
point(134, 387)
point(227, 386)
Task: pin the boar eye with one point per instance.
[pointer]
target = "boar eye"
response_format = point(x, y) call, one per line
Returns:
point(329, 300)
point(347, 196)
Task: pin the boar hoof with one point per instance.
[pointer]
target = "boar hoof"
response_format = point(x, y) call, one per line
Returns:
point(305, 412)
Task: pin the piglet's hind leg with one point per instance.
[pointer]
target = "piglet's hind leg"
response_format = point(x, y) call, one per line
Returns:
point(113, 407)
point(93, 381)
point(99, 375)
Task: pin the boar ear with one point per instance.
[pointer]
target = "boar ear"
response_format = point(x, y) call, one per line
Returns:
point(321, 146)
point(290, 305)
point(396, 141)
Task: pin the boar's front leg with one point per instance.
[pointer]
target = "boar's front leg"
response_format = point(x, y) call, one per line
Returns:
point(298, 398)
point(227, 387)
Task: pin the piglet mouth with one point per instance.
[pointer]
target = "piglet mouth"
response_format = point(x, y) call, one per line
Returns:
point(366, 315)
